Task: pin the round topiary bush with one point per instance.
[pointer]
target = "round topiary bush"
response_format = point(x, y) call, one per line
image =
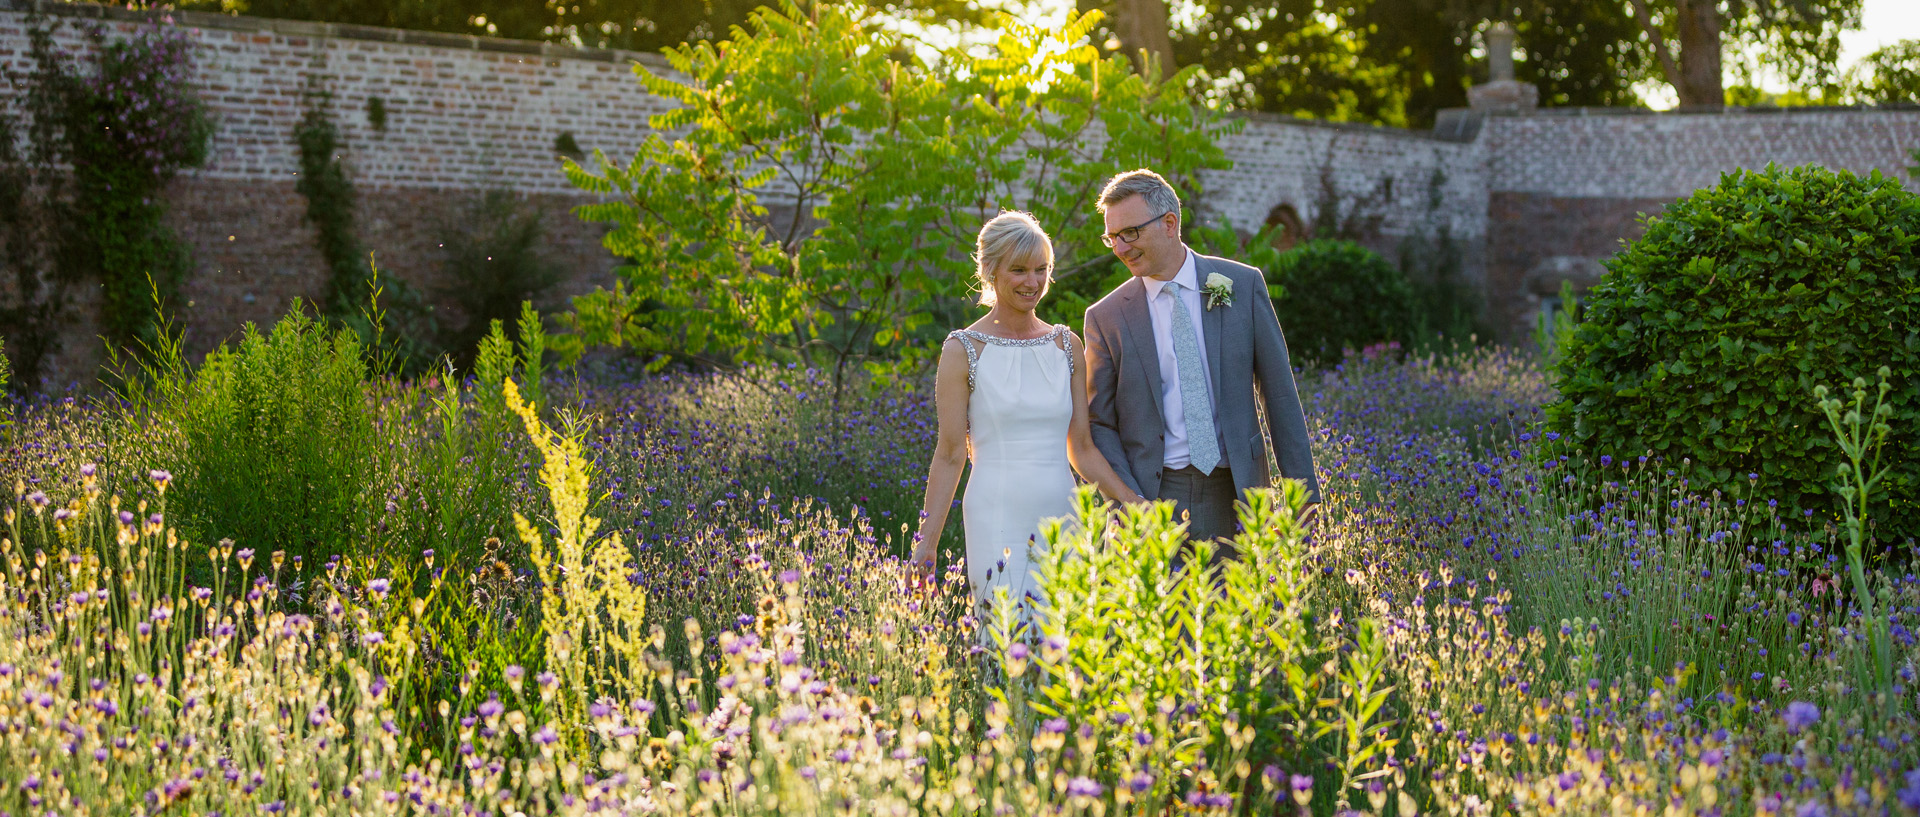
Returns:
point(1333, 295)
point(1705, 339)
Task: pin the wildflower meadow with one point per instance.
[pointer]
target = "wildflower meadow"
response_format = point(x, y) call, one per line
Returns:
point(527, 593)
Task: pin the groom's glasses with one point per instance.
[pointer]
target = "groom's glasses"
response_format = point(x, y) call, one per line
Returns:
point(1130, 234)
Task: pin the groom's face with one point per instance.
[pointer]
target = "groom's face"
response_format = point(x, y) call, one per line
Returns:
point(1158, 244)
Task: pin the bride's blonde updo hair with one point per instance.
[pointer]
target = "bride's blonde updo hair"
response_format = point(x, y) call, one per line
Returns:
point(1010, 236)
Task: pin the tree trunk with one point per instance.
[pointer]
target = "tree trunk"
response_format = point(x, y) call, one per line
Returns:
point(1142, 27)
point(1699, 82)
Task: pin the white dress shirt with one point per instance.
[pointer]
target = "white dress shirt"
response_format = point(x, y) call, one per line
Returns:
point(1160, 307)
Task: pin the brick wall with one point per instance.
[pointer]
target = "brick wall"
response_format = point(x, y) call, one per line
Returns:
point(463, 114)
point(1281, 160)
point(1520, 194)
point(1573, 183)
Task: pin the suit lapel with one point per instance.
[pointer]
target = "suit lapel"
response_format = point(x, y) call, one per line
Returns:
point(1209, 325)
point(1139, 327)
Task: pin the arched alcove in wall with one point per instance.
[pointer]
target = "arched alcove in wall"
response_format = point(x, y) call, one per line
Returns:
point(1291, 230)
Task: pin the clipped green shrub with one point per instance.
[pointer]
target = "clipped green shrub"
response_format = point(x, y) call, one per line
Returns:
point(1706, 338)
point(278, 441)
point(1333, 295)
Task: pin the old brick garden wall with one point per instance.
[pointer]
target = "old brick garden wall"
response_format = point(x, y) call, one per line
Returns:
point(1566, 187)
point(1526, 198)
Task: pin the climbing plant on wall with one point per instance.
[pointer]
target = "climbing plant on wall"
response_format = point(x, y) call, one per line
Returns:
point(126, 127)
point(105, 134)
point(391, 318)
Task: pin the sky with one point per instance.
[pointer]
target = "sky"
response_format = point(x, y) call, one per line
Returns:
point(1884, 22)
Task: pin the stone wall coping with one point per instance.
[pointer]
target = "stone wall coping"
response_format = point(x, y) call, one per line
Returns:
point(1729, 111)
point(339, 31)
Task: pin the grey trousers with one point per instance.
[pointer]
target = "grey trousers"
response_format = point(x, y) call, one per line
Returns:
point(1205, 503)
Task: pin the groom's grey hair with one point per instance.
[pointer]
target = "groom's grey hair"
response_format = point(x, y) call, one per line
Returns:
point(1142, 182)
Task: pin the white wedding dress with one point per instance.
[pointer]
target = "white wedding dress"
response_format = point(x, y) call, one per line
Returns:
point(1017, 420)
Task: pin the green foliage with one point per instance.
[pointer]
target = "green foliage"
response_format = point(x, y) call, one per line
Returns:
point(493, 263)
point(1797, 42)
point(891, 165)
point(1862, 436)
point(1126, 623)
point(1332, 295)
point(120, 132)
point(330, 197)
point(1705, 336)
point(1396, 62)
point(377, 113)
point(1552, 332)
point(1748, 96)
point(277, 441)
point(1891, 74)
point(1222, 240)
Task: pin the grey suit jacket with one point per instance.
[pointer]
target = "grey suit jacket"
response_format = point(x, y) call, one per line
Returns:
point(1244, 346)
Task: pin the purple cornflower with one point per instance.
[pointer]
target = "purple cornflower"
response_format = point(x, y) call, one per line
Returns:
point(1800, 715)
point(1910, 796)
point(1084, 787)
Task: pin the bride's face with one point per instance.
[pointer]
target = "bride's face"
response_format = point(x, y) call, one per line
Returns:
point(1022, 282)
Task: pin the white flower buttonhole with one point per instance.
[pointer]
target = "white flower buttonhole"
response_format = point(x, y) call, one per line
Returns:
point(1219, 289)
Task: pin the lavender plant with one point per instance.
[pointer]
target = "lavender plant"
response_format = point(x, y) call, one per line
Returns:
point(1472, 626)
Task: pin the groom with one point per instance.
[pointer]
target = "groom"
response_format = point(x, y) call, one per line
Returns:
point(1172, 358)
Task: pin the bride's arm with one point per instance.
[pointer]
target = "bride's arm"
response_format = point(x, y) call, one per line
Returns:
point(1086, 457)
point(950, 400)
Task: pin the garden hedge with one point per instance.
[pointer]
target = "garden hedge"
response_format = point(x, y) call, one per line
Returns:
point(1705, 339)
point(1333, 295)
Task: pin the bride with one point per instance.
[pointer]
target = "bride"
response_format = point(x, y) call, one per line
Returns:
point(1011, 394)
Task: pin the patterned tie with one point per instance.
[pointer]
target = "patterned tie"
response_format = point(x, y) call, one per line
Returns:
point(1203, 447)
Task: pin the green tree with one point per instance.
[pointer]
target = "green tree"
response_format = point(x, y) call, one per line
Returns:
point(1400, 62)
point(1891, 74)
point(1579, 53)
point(828, 186)
point(1799, 40)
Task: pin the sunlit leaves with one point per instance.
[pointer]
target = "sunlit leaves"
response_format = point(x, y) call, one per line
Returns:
point(816, 193)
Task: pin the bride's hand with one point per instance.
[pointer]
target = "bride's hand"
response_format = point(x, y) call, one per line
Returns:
point(920, 568)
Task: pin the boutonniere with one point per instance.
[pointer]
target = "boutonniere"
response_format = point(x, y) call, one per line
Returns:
point(1219, 289)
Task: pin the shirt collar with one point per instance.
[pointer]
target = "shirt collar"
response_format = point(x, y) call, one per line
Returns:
point(1187, 278)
